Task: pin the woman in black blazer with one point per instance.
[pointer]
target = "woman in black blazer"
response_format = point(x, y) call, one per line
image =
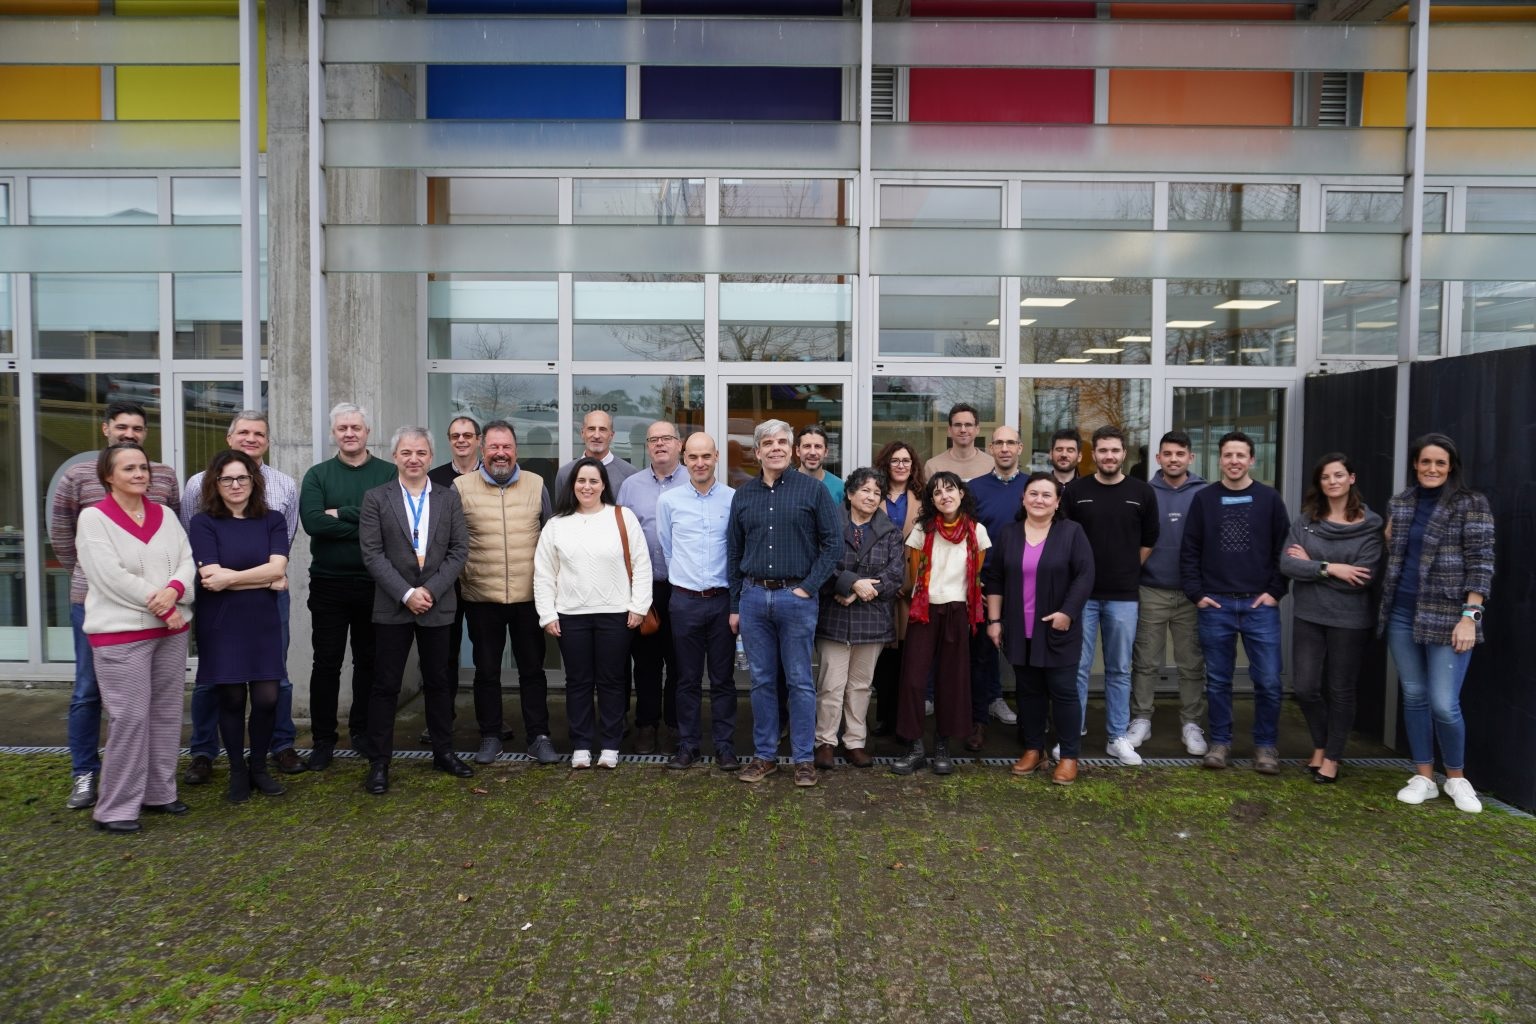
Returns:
point(1036, 589)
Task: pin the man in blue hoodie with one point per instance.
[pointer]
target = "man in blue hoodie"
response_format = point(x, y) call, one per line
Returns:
point(1163, 607)
point(1229, 565)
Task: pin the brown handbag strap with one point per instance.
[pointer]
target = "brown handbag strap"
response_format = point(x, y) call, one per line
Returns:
point(618, 513)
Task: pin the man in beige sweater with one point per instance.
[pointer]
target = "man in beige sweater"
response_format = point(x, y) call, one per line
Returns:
point(505, 507)
point(962, 458)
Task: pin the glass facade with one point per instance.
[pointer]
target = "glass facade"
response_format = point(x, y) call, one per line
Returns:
point(1133, 248)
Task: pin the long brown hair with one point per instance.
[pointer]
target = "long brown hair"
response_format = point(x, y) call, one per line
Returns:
point(212, 502)
point(1316, 502)
point(915, 482)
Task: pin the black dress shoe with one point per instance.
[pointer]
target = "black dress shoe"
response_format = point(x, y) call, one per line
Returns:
point(377, 782)
point(174, 807)
point(116, 828)
point(682, 760)
point(1324, 780)
point(320, 757)
point(727, 761)
point(452, 765)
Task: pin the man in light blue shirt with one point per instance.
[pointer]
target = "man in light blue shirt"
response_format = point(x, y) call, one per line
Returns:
point(655, 700)
point(690, 526)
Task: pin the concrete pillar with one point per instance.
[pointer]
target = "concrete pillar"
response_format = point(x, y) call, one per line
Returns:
point(372, 318)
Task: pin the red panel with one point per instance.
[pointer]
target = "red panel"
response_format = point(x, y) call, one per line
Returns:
point(1202, 12)
point(1020, 95)
point(999, 9)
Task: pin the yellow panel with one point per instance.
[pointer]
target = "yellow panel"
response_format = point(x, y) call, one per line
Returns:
point(50, 94)
point(75, 7)
point(1456, 99)
point(197, 93)
point(177, 8)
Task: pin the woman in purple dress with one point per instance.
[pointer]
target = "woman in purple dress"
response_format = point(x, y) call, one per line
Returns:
point(241, 549)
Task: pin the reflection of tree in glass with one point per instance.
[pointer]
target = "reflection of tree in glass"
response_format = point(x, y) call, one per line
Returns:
point(1111, 309)
point(489, 396)
point(1089, 403)
point(1243, 337)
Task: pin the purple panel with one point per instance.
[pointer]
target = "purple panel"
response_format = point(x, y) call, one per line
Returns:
point(741, 94)
point(525, 6)
point(784, 8)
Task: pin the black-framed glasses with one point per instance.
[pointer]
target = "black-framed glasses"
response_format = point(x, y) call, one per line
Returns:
point(243, 480)
point(663, 439)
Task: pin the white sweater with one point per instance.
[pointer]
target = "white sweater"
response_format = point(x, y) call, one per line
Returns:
point(124, 572)
point(578, 567)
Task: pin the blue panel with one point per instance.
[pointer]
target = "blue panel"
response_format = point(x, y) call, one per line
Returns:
point(741, 94)
point(548, 92)
point(525, 6)
point(743, 8)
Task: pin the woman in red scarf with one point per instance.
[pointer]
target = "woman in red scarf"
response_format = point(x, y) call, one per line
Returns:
point(944, 556)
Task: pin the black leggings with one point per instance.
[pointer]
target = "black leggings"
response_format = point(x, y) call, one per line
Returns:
point(1325, 664)
point(232, 721)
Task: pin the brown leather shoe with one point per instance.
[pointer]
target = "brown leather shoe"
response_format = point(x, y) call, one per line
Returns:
point(859, 757)
point(1066, 772)
point(758, 770)
point(805, 774)
point(1027, 763)
point(826, 759)
point(977, 739)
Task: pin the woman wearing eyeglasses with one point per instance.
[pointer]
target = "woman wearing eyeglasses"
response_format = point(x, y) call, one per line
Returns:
point(241, 549)
point(904, 482)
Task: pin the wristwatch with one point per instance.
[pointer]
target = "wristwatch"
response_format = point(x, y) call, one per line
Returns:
point(1473, 612)
point(994, 622)
point(1322, 573)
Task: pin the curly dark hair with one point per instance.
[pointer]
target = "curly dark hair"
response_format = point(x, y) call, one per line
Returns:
point(916, 482)
point(858, 478)
point(930, 511)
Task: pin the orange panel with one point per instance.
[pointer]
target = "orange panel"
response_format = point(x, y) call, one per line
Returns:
point(50, 93)
point(1201, 97)
point(76, 7)
point(1525, 13)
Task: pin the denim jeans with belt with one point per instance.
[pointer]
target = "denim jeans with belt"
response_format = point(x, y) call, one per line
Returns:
point(1260, 629)
point(778, 628)
point(1117, 621)
point(1431, 676)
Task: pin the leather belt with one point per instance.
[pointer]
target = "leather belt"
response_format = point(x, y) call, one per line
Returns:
point(773, 584)
point(711, 592)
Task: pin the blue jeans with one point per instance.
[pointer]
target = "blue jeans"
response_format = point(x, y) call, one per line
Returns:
point(1431, 677)
point(84, 702)
point(205, 706)
point(1117, 620)
point(1260, 630)
point(779, 628)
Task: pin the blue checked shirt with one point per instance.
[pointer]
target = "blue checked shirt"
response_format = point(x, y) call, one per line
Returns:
point(639, 494)
point(790, 531)
point(691, 527)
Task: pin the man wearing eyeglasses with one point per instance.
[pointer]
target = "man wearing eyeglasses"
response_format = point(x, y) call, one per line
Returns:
point(248, 433)
point(464, 443)
point(655, 697)
point(597, 443)
point(997, 495)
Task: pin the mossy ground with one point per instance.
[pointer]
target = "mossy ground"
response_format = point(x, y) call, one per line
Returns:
point(530, 894)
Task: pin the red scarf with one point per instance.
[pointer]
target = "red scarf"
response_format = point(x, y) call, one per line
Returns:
point(962, 529)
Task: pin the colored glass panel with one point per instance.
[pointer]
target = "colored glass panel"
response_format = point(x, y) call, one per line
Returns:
point(1021, 95)
point(552, 92)
point(741, 93)
point(1456, 100)
point(50, 94)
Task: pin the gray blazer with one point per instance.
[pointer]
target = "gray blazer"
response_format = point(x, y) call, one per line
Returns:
point(384, 533)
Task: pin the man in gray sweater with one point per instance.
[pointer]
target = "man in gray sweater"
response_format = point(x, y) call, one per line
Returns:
point(1164, 608)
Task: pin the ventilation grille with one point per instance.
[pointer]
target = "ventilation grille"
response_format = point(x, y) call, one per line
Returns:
point(882, 94)
point(1333, 100)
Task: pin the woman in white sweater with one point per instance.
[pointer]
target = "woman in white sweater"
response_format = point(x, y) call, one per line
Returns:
point(591, 604)
point(139, 568)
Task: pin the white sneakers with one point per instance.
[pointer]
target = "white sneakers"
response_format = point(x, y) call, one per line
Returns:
point(608, 759)
point(1461, 791)
point(1140, 731)
point(1000, 710)
point(1419, 789)
point(928, 708)
point(1122, 751)
point(1194, 740)
point(581, 759)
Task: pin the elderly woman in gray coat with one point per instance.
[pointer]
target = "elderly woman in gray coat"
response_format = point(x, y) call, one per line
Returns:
point(856, 619)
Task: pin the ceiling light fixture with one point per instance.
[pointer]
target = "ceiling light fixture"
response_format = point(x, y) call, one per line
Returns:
point(1375, 325)
point(1134, 337)
point(1189, 324)
point(1069, 359)
point(1096, 279)
point(1102, 351)
point(1026, 321)
point(1054, 303)
point(1248, 304)
point(993, 322)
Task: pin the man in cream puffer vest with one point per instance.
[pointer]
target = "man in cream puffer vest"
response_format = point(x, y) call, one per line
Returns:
point(505, 507)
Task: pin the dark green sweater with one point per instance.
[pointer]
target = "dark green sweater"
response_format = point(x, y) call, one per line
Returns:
point(333, 543)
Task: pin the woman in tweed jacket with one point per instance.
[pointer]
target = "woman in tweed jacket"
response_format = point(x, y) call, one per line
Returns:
point(1439, 573)
point(855, 620)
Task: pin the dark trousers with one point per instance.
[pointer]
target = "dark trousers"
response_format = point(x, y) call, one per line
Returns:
point(393, 643)
point(1326, 660)
point(455, 652)
point(339, 608)
point(656, 665)
point(942, 645)
point(489, 626)
point(701, 634)
point(595, 649)
point(1053, 689)
point(986, 682)
point(887, 686)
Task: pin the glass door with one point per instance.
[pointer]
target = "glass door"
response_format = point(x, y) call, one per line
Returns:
point(1206, 411)
point(747, 401)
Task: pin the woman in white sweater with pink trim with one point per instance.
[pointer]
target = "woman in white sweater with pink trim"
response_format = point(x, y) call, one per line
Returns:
point(139, 567)
point(589, 602)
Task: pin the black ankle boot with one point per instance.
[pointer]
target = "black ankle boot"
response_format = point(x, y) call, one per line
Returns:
point(239, 785)
point(942, 765)
point(265, 784)
point(911, 762)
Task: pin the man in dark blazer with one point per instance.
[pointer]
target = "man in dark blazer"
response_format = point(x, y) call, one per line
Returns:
point(414, 545)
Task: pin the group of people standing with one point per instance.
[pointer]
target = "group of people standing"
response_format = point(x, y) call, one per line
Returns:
point(902, 584)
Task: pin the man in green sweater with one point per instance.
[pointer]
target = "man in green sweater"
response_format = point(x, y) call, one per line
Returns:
point(340, 589)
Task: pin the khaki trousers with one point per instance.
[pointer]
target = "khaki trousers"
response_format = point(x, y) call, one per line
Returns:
point(1163, 612)
point(842, 691)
